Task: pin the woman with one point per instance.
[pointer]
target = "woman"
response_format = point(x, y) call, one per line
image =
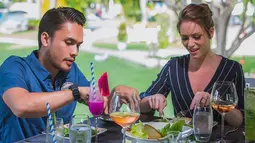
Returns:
point(190, 78)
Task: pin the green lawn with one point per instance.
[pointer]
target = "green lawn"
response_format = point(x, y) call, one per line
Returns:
point(249, 63)
point(119, 71)
point(131, 46)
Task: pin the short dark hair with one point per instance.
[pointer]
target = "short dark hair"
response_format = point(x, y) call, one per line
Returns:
point(199, 13)
point(55, 17)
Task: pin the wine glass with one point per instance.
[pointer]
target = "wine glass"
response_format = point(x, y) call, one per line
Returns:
point(96, 106)
point(124, 114)
point(223, 99)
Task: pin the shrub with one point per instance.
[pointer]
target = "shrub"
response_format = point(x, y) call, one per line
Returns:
point(33, 24)
point(122, 35)
point(163, 21)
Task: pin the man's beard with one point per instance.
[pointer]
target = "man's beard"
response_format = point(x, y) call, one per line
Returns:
point(51, 61)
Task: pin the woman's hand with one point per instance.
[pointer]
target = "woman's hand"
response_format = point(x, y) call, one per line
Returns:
point(203, 98)
point(126, 94)
point(157, 102)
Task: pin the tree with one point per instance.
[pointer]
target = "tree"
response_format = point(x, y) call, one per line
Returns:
point(143, 4)
point(222, 10)
point(131, 9)
point(80, 5)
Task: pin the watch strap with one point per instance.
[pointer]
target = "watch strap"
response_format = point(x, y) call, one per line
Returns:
point(75, 91)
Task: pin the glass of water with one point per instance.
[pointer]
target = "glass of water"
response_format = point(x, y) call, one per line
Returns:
point(58, 125)
point(202, 122)
point(80, 129)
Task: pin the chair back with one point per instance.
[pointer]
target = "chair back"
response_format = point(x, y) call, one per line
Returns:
point(250, 82)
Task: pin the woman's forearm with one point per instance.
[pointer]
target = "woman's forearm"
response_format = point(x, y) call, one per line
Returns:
point(234, 118)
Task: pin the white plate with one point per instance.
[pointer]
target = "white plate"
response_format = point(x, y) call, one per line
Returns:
point(186, 131)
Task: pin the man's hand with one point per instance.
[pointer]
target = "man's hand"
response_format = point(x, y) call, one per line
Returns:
point(203, 98)
point(84, 94)
point(157, 102)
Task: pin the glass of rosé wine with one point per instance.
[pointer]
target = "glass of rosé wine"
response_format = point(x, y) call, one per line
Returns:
point(223, 99)
point(122, 113)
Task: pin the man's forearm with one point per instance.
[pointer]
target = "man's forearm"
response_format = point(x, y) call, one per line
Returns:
point(32, 105)
point(234, 118)
point(144, 106)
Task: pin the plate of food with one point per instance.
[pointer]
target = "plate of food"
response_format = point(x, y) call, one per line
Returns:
point(187, 120)
point(106, 118)
point(93, 131)
point(159, 132)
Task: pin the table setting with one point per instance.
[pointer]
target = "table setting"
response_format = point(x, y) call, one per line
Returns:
point(125, 123)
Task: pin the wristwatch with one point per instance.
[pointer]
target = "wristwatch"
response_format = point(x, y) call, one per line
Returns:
point(75, 91)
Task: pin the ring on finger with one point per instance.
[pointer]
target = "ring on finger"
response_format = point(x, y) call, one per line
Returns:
point(203, 100)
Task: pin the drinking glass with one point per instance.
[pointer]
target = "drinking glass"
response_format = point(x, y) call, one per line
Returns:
point(96, 106)
point(202, 122)
point(58, 125)
point(249, 112)
point(124, 114)
point(80, 129)
point(223, 99)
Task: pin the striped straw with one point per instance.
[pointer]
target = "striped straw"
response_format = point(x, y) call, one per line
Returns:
point(93, 77)
point(51, 125)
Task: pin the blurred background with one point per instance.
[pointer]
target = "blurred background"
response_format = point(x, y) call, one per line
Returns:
point(131, 39)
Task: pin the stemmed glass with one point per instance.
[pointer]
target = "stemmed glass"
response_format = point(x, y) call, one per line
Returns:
point(124, 114)
point(96, 106)
point(223, 99)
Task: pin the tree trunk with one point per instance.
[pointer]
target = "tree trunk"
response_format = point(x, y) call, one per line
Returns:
point(143, 4)
point(221, 19)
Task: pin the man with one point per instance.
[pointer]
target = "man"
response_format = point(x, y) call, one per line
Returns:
point(27, 84)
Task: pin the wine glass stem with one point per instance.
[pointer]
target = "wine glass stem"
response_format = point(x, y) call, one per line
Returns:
point(124, 135)
point(96, 139)
point(222, 125)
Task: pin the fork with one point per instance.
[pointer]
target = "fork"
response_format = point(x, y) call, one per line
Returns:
point(183, 113)
point(230, 131)
point(165, 118)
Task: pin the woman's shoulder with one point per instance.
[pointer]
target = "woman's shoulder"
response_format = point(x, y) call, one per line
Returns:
point(229, 63)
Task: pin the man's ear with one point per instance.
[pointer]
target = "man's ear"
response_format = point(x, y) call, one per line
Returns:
point(45, 39)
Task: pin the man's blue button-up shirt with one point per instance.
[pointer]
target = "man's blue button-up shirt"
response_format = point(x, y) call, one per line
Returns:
point(29, 74)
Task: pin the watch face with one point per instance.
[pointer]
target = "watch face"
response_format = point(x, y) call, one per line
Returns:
point(66, 85)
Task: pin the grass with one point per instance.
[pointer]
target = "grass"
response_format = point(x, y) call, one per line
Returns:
point(249, 63)
point(131, 46)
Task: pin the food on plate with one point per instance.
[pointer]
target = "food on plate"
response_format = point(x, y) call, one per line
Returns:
point(152, 132)
point(146, 131)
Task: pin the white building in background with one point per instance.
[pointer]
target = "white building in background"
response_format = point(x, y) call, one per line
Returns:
point(31, 7)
